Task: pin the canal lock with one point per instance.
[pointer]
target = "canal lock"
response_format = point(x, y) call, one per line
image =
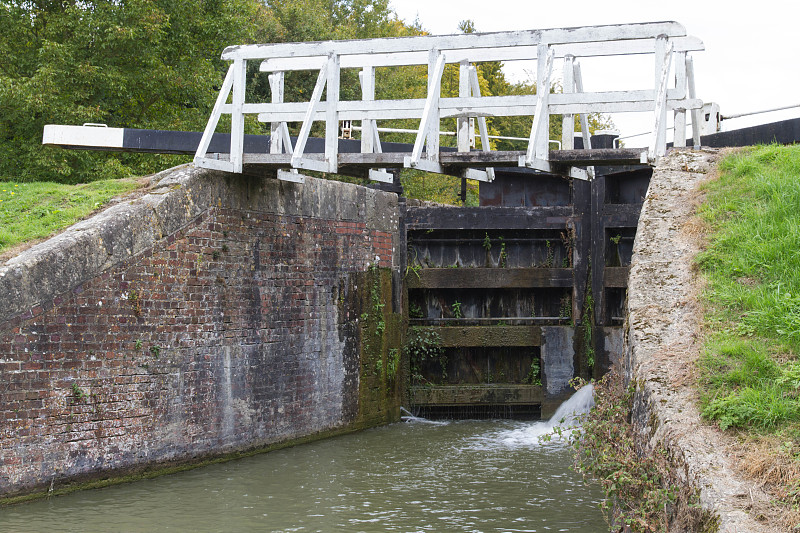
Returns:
point(509, 301)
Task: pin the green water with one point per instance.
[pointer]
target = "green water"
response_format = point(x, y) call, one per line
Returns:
point(454, 476)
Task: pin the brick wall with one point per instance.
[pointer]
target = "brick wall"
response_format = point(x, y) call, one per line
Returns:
point(226, 319)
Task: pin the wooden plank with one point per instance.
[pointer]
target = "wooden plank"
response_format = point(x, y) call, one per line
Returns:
point(213, 120)
point(377, 175)
point(485, 106)
point(84, 137)
point(214, 164)
point(462, 123)
point(615, 277)
point(423, 218)
point(476, 394)
point(430, 111)
point(332, 114)
point(692, 94)
point(679, 118)
point(367, 79)
point(622, 156)
point(237, 118)
point(462, 41)
point(464, 336)
point(475, 89)
point(276, 85)
point(480, 55)
point(658, 146)
point(536, 154)
point(584, 117)
point(308, 118)
point(477, 175)
point(290, 176)
point(567, 119)
point(436, 65)
point(489, 278)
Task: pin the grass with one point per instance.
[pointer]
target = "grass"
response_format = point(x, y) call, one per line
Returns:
point(30, 211)
point(749, 369)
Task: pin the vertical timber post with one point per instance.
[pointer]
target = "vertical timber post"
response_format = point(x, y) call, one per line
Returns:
point(237, 115)
point(692, 94)
point(332, 114)
point(463, 121)
point(434, 82)
point(679, 138)
point(275, 132)
point(568, 120)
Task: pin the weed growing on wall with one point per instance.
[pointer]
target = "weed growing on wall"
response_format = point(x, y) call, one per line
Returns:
point(78, 394)
point(642, 492)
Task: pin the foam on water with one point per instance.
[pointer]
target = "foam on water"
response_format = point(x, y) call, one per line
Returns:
point(566, 417)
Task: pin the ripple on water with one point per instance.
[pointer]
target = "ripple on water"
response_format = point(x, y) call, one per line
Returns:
point(457, 476)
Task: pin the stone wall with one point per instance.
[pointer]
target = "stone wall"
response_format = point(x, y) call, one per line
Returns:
point(215, 314)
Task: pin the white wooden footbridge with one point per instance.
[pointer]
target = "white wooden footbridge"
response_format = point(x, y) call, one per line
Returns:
point(672, 91)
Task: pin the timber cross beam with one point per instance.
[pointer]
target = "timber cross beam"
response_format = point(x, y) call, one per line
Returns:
point(667, 42)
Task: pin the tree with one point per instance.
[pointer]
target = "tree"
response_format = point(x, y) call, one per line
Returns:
point(125, 63)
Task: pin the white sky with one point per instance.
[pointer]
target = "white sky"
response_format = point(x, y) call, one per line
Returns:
point(750, 62)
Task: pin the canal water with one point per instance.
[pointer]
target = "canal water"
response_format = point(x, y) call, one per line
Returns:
point(419, 475)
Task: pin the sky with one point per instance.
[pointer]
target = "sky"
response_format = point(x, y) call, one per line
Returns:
point(750, 61)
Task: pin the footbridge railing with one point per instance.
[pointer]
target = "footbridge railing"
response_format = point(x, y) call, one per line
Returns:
point(672, 91)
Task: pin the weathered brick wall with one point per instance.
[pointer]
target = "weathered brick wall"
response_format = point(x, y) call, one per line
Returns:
point(215, 314)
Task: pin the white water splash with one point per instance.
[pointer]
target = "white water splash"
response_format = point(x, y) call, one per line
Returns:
point(556, 430)
point(408, 417)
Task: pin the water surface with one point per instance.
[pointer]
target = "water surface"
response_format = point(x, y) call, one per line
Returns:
point(417, 476)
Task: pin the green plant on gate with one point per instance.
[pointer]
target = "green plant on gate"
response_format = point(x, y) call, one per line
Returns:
point(565, 309)
point(487, 243)
point(535, 373)
point(503, 254)
point(455, 308)
point(413, 263)
point(548, 262)
point(422, 345)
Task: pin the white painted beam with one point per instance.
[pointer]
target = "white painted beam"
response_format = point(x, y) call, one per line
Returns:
point(480, 55)
point(96, 136)
point(462, 41)
point(213, 120)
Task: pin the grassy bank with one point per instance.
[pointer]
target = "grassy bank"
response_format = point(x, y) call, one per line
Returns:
point(31, 211)
point(749, 370)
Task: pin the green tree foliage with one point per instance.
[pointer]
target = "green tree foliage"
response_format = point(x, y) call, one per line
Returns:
point(125, 63)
